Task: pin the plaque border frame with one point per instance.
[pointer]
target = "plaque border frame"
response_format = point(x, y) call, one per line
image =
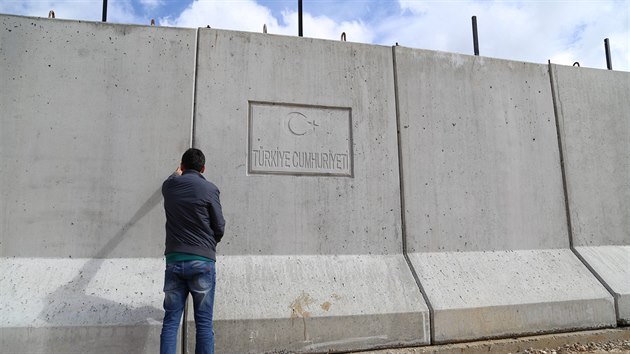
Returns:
point(250, 171)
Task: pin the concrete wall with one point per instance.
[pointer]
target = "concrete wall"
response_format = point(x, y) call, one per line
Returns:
point(318, 250)
point(593, 115)
point(484, 203)
point(315, 146)
point(94, 117)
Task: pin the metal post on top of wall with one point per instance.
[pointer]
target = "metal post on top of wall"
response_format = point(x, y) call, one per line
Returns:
point(104, 11)
point(300, 18)
point(475, 36)
point(608, 58)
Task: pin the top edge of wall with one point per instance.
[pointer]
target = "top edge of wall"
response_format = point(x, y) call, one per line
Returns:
point(578, 68)
point(89, 22)
point(395, 45)
point(477, 58)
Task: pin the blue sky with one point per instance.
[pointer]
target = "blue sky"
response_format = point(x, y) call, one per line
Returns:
point(532, 30)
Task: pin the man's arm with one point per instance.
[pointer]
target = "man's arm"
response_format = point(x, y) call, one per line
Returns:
point(178, 172)
point(217, 222)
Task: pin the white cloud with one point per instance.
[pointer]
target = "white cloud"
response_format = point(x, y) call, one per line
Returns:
point(238, 15)
point(325, 28)
point(249, 16)
point(122, 11)
point(80, 10)
point(415, 7)
point(532, 31)
point(118, 11)
point(151, 4)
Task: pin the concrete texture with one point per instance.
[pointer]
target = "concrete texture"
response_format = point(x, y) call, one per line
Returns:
point(95, 116)
point(593, 107)
point(612, 264)
point(500, 294)
point(111, 305)
point(485, 216)
point(315, 303)
point(593, 110)
point(318, 251)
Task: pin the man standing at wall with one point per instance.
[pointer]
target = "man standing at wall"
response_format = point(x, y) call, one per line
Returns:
point(194, 226)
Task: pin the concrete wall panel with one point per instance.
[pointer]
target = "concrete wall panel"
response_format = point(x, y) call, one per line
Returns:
point(94, 118)
point(481, 174)
point(593, 109)
point(479, 147)
point(317, 233)
point(506, 293)
point(300, 214)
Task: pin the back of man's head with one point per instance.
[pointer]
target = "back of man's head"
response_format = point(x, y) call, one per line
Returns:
point(193, 159)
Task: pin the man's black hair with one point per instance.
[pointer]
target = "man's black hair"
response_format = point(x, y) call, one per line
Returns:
point(193, 159)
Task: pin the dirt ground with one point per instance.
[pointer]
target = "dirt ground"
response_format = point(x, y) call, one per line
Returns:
point(615, 340)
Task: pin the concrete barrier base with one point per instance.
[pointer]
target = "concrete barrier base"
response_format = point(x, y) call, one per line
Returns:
point(611, 264)
point(52, 305)
point(316, 304)
point(82, 339)
point(502, 293)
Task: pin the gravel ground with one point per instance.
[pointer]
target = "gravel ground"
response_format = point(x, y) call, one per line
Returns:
point(611, 340)
point(617, 346)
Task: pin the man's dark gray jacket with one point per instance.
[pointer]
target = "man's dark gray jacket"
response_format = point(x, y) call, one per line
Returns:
point(194, 219)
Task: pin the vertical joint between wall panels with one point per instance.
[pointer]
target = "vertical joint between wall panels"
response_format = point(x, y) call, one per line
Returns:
point(192, 144)
point(557, 113)
point(402, 202)
point(194, 91)
point(561, 154)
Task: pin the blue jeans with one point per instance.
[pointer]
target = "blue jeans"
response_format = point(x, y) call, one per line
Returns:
point(180, 278)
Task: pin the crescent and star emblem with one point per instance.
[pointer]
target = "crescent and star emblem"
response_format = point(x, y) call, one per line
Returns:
point(300, 125)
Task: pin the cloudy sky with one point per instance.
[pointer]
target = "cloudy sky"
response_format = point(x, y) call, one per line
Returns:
point(526, 30)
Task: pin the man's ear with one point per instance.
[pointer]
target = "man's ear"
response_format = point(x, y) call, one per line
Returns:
point(181, 167)
point(203, 169)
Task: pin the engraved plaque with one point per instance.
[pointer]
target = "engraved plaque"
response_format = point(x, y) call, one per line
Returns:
point(299, 139)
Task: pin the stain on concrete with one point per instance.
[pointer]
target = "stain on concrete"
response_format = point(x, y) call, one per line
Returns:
point(299, 305)
point(298, 310)
point(326, 306)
